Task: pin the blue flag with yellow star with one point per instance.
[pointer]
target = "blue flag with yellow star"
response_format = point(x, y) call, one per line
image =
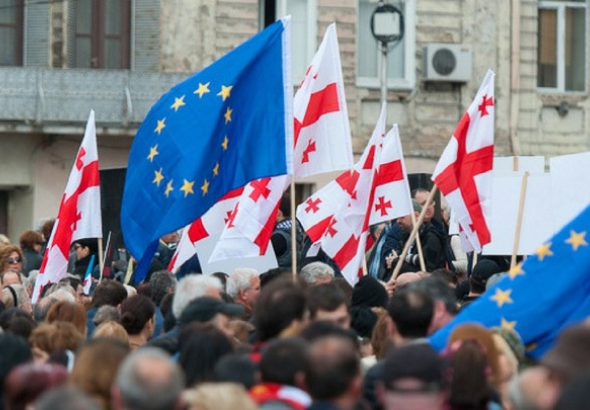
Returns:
point(540, 297)
point(216, 131)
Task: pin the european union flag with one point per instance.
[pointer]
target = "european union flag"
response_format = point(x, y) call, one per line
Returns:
point(227, 125)
point(540, 297)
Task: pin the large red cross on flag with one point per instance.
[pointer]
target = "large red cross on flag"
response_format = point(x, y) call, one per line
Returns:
point(464, 172)
point(322, 130)
point(391, 195)
point(337, 216)
point(79, 214)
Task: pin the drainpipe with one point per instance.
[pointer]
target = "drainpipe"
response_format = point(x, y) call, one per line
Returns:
point(514, 77)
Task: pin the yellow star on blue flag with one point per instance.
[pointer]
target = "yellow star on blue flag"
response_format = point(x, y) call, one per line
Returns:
point(227, 125)
point(538, 299)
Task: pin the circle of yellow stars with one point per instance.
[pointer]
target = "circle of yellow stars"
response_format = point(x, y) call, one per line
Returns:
point(188, 187)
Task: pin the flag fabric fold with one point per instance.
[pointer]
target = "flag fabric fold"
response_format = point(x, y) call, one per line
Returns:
point(540, 297)
point(79, 215)
point(221, 128)
point(464, 171)
point(337, 216)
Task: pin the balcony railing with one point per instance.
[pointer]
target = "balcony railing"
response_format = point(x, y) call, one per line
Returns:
point(39, 98)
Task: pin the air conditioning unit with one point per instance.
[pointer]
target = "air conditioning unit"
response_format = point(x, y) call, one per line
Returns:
point(447, 62)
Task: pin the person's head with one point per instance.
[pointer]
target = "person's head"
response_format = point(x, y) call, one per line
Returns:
point(17, 322)
point(317, 273)
point(332, 370)
point(381, 337)
point(413, 378)
point(244, 286)
point(201, 345)
point(95, 368)
point(445, 301)
point(15, 351)
point(31, 240)
point(369, 292)
point(483, 337)
point(280, 310)
point(108, 292)
point(284, 207)
point(411, 312)
point(137, 316)
point(282, 362)
point(85, 247)
point(451, 278)
point(469, 383)
point(11, 258)
point(29, 381)
point(162, 283)
point(237, 368)
point(421, 196)
point(46, 228)
point(111, 330)
point(148, 379)
point(362, 321)
point(570, 356)
point(218, 396)
point(206, 309)
point(191, 287)
point(405, 222)
point(327, 302)
point(482, 271)
point(68, 312)
point(65, 397)
point(49, 338)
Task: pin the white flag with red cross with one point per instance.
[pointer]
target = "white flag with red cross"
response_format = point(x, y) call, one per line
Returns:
point(464, 172)
point(391, 196)
point(79, 215)
point(209, 224)
point(337, 216)
point(322, 129)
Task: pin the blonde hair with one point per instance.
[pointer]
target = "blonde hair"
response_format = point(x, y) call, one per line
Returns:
point(218, 396)
point(111, 330)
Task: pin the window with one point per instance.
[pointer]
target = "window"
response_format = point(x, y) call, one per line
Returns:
point(303, 32)
point(561, 53)
point(401, 70)
point(102, 33)
point(11, 32)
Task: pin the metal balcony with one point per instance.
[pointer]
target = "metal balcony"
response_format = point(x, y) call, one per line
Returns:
point(55, 100)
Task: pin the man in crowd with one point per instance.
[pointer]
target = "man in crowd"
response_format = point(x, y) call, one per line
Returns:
point(244, 287)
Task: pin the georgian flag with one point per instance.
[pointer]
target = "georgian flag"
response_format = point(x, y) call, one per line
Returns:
point(79, 215)
point(337, 216)
point(464, 172)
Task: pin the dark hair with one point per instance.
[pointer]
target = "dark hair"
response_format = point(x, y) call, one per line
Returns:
point(47, 227)
point(144, 289)
point(282, 360)
point(411, 310)
point(279, 304)
point(222, 276)
point(322, 328)
point(272, 274)
point(201, 345)
point(161, 283)
point(331, 364)
point(136, 311)
point(482, 271)
point(109, 292)
point(166, 309)
point(469, 384)
point(236, 368)
point(328, 297)
point(447, 275)
point(17, 322)
point(285, 205)
point(438, 289)
point(28, 239)
point(363, 320)
point(90, 243)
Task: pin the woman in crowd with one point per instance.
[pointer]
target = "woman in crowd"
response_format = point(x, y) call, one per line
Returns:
point(137, 317)
point(31, 242)
point(11, 258)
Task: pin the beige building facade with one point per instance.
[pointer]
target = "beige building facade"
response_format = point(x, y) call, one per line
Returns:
point(117, 57)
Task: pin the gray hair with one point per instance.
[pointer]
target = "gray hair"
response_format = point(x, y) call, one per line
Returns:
point(161, 282)
point(66, 397)
point(191, 287)
point(240, 280)
point(149, 380)
point(315, 271)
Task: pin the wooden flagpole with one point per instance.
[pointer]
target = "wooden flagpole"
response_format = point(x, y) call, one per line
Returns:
point(293, 231)
point(402, 257)
point(523, 186)
point(418, 244)
point(100, 259)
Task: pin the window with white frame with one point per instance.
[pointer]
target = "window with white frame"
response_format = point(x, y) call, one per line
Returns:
point(303, 32)
point(562, 45)
point(401, 60)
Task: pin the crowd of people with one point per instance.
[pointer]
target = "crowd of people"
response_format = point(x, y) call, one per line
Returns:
point(274, 340)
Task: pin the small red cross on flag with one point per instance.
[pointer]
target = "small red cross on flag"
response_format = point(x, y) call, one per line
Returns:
point(464, 171)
